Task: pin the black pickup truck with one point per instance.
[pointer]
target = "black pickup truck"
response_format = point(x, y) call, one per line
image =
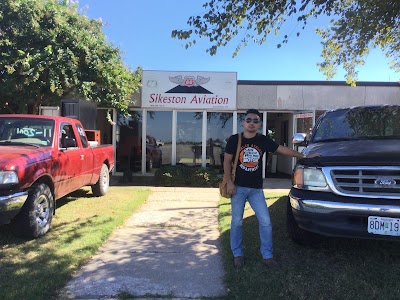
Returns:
point(353, 188)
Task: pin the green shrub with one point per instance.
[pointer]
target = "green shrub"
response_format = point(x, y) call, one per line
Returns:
point(172, 176)
point(181, 175)
point(204, 177)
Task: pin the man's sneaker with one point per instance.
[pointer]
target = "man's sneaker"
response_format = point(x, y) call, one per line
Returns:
point(271, 263)
point(238, 262)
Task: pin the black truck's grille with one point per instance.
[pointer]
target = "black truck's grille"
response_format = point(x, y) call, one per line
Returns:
point(367, 181)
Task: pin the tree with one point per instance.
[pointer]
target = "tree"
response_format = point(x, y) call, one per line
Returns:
point(355, 27)
point(48, 51)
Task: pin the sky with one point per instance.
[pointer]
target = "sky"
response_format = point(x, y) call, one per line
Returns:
point(142, 30)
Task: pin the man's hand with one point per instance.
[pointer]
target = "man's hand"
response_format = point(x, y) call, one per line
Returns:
point(312, 155)
point(231, 188)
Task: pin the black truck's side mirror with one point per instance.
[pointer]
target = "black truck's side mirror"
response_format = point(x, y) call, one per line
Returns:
point(299, 139)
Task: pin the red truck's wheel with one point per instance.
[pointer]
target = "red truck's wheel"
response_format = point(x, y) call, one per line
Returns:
point(36, 215)
point(102, 185)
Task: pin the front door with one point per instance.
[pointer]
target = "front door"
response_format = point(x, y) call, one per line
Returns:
point(87, 158)
point(68, 166)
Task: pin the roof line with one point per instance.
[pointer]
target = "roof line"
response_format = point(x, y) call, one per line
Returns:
point(334, 83)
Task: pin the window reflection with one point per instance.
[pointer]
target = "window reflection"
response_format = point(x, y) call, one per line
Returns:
point(129, 141)
point(219, 129)
point(304, 125)
point(188, 138)
point(158, 139)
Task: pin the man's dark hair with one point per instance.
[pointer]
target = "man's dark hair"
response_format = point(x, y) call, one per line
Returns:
point(253, 111)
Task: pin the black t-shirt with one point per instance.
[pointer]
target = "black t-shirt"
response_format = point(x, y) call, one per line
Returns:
point(249, 167)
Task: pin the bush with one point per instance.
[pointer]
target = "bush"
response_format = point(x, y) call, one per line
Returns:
point(180, 175)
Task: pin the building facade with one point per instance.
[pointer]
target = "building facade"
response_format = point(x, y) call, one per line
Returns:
point(187, 120)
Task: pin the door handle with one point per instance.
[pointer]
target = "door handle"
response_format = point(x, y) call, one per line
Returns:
point(82, 156)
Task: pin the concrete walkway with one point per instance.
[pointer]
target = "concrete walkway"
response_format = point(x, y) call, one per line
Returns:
point(168, 249)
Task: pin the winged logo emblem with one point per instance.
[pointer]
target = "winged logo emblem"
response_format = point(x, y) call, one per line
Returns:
point(189, 80)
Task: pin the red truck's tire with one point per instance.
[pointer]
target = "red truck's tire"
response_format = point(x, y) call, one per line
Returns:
point(35, 217)
point(102, 185)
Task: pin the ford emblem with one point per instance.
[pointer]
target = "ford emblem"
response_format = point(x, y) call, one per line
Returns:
point(385, 181)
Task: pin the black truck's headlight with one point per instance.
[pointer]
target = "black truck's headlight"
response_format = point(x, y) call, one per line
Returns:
point(310, 179)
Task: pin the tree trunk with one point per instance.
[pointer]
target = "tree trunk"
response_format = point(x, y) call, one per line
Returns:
point(33, 107)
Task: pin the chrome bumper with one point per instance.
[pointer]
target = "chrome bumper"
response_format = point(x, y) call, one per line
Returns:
point(327, 207)
point(10, 205)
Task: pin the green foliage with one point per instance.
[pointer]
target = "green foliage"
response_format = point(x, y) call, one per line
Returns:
point(48, 51)
point(355, 27)
point(172, 176)
point(180, 175)
point(206, 177)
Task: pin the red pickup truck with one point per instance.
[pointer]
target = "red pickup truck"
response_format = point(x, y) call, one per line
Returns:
point(43, 158)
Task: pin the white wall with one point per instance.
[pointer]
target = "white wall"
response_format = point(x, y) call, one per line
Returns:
point(49, 110)
point(292, 97)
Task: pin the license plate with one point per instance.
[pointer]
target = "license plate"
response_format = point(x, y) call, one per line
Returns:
point(384, 226)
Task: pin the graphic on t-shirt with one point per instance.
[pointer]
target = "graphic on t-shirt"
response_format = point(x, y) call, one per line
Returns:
point(249, 157)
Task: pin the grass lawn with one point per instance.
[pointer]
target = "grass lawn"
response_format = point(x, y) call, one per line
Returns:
point(334, 269)
point(38, 269)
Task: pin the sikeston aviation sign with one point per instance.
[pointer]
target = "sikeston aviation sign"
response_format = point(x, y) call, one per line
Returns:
point(189, 90)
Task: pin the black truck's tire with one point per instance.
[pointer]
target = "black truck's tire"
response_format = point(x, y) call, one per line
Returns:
point(102, 185)
point(298, 235)
point(35, 217)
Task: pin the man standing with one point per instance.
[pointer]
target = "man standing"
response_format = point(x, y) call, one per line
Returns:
point(248, 184)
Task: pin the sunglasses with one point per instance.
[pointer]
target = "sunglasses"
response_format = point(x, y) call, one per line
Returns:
point(255, 120)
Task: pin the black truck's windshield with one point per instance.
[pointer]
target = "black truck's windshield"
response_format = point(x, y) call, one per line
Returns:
point(370, 122)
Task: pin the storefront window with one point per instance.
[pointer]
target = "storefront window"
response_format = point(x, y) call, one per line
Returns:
point(158, 139)
point(305, 124)
point(188, 138)
point(219, 129)
point(129, 141)
point(319, 113)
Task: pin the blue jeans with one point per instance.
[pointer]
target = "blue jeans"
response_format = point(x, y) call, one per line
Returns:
point(257, 202)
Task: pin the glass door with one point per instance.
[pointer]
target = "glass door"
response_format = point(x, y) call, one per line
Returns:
point(188, 138)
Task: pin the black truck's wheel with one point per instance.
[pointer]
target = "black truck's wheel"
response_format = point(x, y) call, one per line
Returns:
point(35, 217)
point(102, 185)
point(297, 234)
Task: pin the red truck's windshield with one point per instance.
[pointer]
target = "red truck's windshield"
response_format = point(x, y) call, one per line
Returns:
point(29, 131)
